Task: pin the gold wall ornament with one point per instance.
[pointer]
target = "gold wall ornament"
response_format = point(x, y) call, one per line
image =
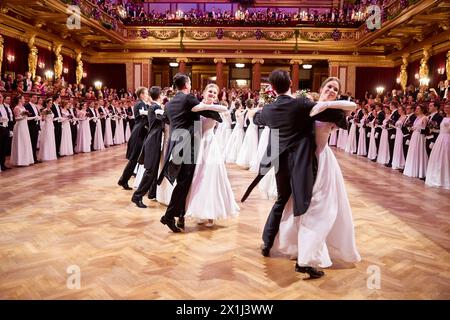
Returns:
point(164, 34)
point(2, 40)
point(199, 34)
point(222, 60)
point(447, 65)
point(296, 61)
point(257, 60)
point(423, 70)
point(314, 36)
point(59, 60)
point(239, 35)
point(404, 72)
point(79, 69)
point(278, 35)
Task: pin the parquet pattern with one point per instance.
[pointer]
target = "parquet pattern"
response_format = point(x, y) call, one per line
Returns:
point(71, 212)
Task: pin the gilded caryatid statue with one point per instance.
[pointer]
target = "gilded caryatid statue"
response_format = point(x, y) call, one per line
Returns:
point(424, 71)
point(59, 61)
point(79, 70)
point(404, 73)
point(1, 52)
point(32, 56)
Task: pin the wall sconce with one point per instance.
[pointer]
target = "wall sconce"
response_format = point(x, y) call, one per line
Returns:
point(239, 65)
point(441, 70)
point(416, 76)
point(84, 74)
point(379, 90)
point(307, 66)
point(398, 80)
point(173, 64)
point(66, 70)
point(424, 81)
point(98, 85)
point(49, 75)
point(41, 65)
point(11, 58)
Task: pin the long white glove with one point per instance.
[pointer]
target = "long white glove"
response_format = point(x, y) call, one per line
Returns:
point(337, 104)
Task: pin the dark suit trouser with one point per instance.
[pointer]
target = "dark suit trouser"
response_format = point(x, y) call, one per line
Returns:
point(357, 138)
point(74, 131)
point(92, 126)
point(177, 203)
point(284, 192)
point(34, 132)
point(128, 171)
point(148, 184)
point(58, 133)
point(391, 145)
point(377, 140)
point(103, 125)
point(405, 146)
point(367, 132)
point(4, 137)
point(429, 141)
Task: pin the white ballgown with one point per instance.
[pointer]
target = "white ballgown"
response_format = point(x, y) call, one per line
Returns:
point(223, 131)
point(383, 149)
point(83, 133)
point(417, 159)
point(372, 152)
point(66, 147)
point(438, 171)
point(351, 144)
point(21, 150)
point(108, 133)
point(249, 146)
point(326, 230)
point(210, 195)
point(235, 142)
point(262, 148)
point(98, 136)
point(398, 157)
point(47, 145)
point(362, 148)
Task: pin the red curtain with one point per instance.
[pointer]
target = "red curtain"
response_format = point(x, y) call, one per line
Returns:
point(413, 69)
point(71, 65)
point(45, 58)
point(437, 61)
point(368, 78)
point(19, 50)
point(112, 75)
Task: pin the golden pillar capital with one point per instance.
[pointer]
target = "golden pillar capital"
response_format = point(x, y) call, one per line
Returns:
point(296, 61)
point(404, 71)
point(423, 70)
point(447, 65)
point(2, 40)
point(220, 60)
point(257, 60)
point(79, 68)
point(182, 60)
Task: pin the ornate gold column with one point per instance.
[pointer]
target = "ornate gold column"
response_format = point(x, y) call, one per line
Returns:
point(182, 64)
point(59, 60)
point(256, 74)
point(79, 70)
point(1, 52)
point(423, 70)
point(404, 72)
point(32, 56)
point(295, 73)
point(150, 72)
point(219, 71)
point(447, 64)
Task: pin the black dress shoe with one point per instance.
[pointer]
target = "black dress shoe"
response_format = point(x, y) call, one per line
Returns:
point(180, 222)
point(313, 272)
point(265, 250)
point(138, 202)
point(388, 165)
point(152, 197)
point(124, 185)
point(170, 224)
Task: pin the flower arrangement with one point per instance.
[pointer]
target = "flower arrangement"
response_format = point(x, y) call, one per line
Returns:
point(267, 95)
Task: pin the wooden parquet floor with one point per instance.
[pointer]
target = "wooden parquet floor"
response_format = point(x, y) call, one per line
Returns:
point(71, 212)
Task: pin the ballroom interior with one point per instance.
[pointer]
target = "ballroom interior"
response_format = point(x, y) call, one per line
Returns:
point(70, 214)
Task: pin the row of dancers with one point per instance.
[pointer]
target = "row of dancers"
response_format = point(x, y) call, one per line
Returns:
point(46, 129)
point(413, 139)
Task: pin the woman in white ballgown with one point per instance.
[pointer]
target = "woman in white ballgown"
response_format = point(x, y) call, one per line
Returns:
point(210, 196)
point(325, 231)
point(417, 159)
point(383, 149)
point(249, 146)
point(47, 144)
point(98, 135)
point(333, 138)
point(438, 171)
point(342, 138)
point(362, 148)
point(66, 148)
point(165, 189)
point(21, 150)
point(84, 132)
point(372, 152)
point(119, 137)
point(234, 144)
point(351, 144)
point(398, 158)
point(108, 138)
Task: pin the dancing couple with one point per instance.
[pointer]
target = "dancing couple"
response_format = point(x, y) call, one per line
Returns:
point(194, 159)
point(311, 218)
